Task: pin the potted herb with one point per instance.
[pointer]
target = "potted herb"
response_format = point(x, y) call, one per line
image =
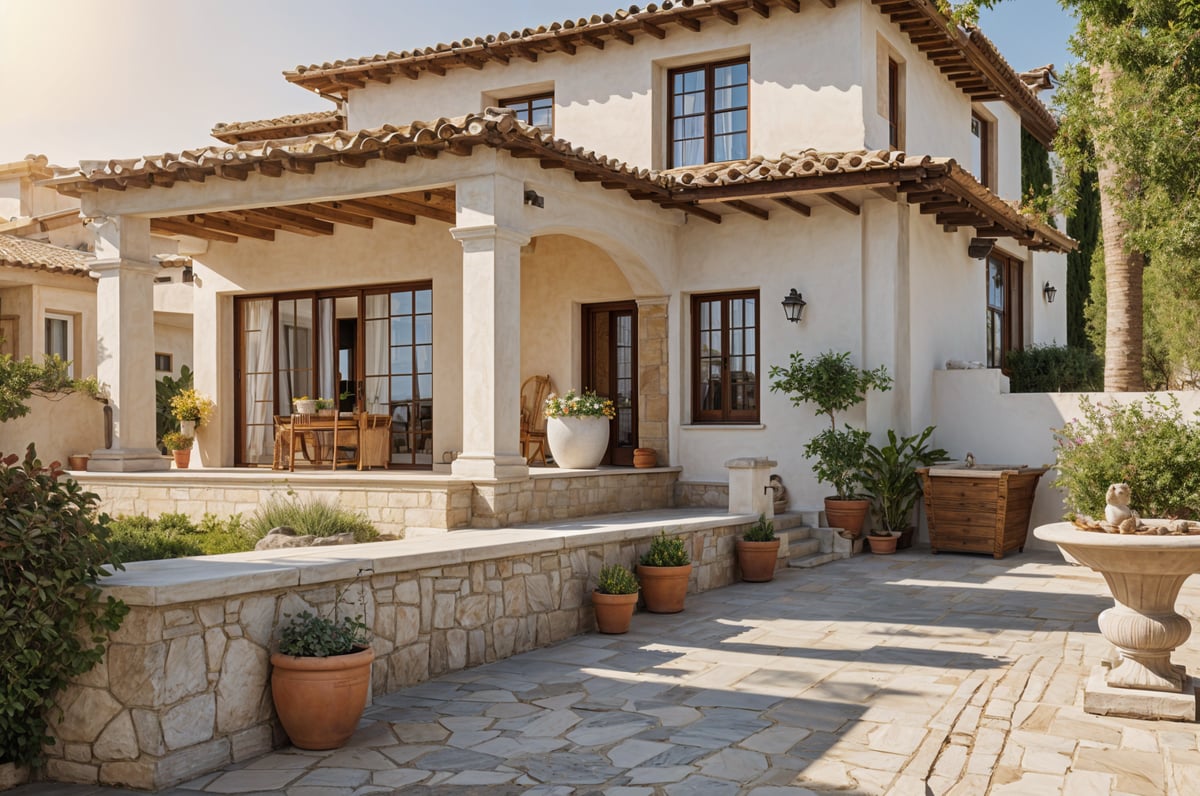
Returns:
point(319, 679)
point(614, 599)
point(890, 477)
point(324, 406)
point(758, 551)
point(833, 384)
point(664, 570)
point(577, 428)
point(180, 446)
point(192, 410)
point(304, 405)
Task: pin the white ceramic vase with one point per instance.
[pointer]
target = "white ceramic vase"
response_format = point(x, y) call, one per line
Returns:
point(187, 427)
point(308, 406)
point(577, 443)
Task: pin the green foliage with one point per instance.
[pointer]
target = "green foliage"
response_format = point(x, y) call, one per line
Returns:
point(665, 551)
point(1083, 224)
point(838, 458)
point(53, 620)
point(890, 477)
point(616, 579)
point(1051, 368)
point(177, 441)
point(165, 389)
point(1037, 178)
point(191, 405)
point(1149, 446)
point(21, 379)
point(309, 636)
point(828, 381)
point(763, 530)
point(139, 538)
point(314, 517)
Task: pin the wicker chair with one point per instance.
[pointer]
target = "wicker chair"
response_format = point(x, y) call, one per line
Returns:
point(534, 391)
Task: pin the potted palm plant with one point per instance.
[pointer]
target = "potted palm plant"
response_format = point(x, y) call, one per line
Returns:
point(758, 551)
point(833, 384)
point(890, 477)
point(664, 570)
point(614, 599)
point(320, 678)
point(180, 446)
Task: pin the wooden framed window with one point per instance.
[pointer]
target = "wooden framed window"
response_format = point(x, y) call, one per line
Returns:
point(60, 339)
point(709, 113)
point(1005, 308)
point(895, 140)
point(981, 149)
point(535, 109)
point(725, 361)
point(162, 362)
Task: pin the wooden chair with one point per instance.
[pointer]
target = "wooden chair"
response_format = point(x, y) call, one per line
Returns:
point(286, 444)
point(375, 440)
point(534, 391)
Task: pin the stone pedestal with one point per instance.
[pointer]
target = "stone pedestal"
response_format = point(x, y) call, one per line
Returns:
point(750, 486)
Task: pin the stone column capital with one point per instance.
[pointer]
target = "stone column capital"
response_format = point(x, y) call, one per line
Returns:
point(485, 236)
point(112, 265)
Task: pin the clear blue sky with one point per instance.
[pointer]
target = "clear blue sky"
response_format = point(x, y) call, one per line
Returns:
point(98, 79)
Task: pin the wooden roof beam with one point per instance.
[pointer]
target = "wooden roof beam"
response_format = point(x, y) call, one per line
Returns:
point(232, 172)
point(269, 168)
point(760, 8)
point(327, 213)
point(653, 30)
point(829, 3)
point(175, 227)
point(627, 37)
point(562, 45)
point(435, 68)
point(375, 211)
point(694, 210)
point(392, 202)
point(592, 39)
point(231, 227)
point(725, 14)
point(837, 200)
point(525, 52)
point(290, 222)
point(749, 209)
point(691, 23)
point(495, 56)
point(793, 205)
point(791, 5)
point(298, 166)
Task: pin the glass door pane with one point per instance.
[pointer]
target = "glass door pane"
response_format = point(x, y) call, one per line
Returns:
point(257, 380)
point(295, 328)
point(398, 369)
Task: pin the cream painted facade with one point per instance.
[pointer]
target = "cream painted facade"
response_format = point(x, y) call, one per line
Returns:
point(510, 280)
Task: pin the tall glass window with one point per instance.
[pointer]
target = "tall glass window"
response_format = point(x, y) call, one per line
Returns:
point(710, 113)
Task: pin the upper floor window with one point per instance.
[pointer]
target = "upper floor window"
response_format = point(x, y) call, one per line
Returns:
point(537, 110)
point(1005, 319)
point(894, 104)
point(981, 149)
point(710, 113)
point(60, 338)
point(725, 357)
point(162, 362)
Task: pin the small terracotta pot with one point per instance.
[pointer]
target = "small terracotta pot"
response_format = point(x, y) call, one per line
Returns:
point(613, 611)
point(884, 545)
point(182, 458)
point(645, 457)
point(847, 515)
point(664, 588)
point(320, 700)
point(757, 560)
point(78, 461)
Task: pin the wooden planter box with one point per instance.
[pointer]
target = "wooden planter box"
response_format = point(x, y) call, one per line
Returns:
point(984, 509)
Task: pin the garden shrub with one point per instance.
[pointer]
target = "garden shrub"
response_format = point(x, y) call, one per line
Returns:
point(1054, 368)
point(314, 517)
point(1150, 446)
point(53, 620)
point(140, 538)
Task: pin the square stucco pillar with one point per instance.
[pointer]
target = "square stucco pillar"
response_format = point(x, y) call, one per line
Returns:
point(491, 358)
point(125, 344)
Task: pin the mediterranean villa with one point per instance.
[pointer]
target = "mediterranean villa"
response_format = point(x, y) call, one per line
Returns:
point(620, 203)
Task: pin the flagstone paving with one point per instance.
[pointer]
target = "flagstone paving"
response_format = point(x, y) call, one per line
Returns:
point(910, 674)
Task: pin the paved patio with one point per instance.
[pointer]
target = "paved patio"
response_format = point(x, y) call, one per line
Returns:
point(910, 674)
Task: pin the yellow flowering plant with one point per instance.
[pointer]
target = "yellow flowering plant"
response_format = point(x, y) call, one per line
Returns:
point(572, 404)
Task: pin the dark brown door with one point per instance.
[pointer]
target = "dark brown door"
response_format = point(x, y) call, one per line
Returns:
point(610, 368)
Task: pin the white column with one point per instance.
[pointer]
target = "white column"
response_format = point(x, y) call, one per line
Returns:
point(125, 344)
point(491, 357)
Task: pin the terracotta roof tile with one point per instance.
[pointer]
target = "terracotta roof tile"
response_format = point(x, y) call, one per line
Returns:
point(21, 253)
point(290, 126)
point(800, 163)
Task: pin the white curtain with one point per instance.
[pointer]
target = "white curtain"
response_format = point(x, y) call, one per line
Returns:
point(327, 386)
point(260, 423)
point(378, 394)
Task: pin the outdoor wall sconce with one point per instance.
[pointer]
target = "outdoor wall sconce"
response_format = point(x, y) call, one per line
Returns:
point(532, 197)
point(793, 306)
point(979, 248)
point(1049, 291)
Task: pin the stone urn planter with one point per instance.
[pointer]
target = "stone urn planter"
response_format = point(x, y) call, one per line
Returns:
point(577, 443)
point(757, 560)
point(1144, 573)
point(320, 700)
point(847, 514)
point(884, 545)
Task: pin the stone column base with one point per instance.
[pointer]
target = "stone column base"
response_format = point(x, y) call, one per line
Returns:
point(1136, 703)
point(136, 460)
point(488, 467)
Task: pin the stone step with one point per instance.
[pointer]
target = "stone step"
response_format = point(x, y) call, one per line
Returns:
point(805, 545)
point(813, 560)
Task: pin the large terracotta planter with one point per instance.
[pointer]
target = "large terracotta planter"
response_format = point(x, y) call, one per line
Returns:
point(577, 443)
point(884, 545)
point(757, 560)
point(613, 611)
point(664, 588)
point(320, 700)
point(848, 515)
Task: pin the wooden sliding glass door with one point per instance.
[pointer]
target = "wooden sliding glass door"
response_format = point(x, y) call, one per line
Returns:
point(610, 368)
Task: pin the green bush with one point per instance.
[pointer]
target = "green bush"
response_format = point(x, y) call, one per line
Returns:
point(140, 538)
point(763, 530)
point(166, 389)
point(314, 517)
point(53, 621)
point(1054, 368)
point(309, 636)
point(1149, 446)
point(616, 579)
point(665, 551)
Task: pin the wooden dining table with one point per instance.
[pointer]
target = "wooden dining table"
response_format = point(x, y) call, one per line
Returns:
point(323, 438)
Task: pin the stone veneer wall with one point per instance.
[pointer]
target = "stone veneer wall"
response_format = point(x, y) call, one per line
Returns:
point(184, 687)
point(653, 377)
point(712, 494)
point(576, 493)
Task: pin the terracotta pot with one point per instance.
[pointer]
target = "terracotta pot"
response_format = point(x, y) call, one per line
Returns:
point(757, 560)
point(320, 700)
point(664, 588)
point(645, 457)
point(182, 458)
point(577, 443)
point(847, 515)
point(613, 611)
point(78, 461)
point(884, 545)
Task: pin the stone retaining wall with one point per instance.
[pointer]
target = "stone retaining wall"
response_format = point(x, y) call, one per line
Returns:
point(702, 493)
point(184, 687)
point(560, 496)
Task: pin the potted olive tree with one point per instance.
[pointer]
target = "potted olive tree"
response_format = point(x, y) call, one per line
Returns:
point(664, 570)
point(614, 599)
point(832, 384)
point(320, 678)
point(890, 477)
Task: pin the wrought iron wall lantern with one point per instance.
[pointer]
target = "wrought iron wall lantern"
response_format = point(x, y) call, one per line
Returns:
point(1049, 291)
point(793, 306)
point(534, 198)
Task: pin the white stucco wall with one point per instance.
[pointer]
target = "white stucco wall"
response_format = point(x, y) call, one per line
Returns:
point(72, 296)
point(59, 427)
